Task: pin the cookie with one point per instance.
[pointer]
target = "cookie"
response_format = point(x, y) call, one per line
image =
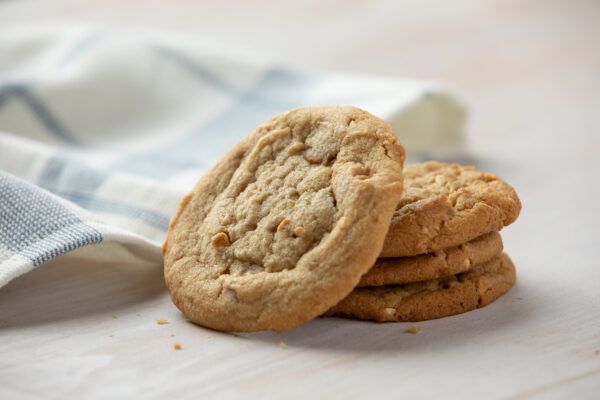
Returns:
point(286, 223)
point(454, 260)
point(444, 205)
point(431, 299)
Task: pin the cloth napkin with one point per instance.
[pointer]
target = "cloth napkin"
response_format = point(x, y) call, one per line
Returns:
point(103, 130)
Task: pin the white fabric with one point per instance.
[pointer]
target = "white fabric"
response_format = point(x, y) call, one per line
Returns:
point(103, 130)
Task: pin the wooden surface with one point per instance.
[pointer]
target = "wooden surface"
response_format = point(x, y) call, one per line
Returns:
point(529, 72)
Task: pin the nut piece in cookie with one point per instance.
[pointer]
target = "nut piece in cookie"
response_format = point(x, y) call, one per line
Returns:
point(220, 239)
point(285, 224)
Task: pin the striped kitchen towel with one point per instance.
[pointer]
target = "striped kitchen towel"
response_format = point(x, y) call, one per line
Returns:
point(102, 131)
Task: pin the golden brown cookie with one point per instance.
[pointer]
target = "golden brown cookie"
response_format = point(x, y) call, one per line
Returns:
point(454, 260)
point(286, 223)
point(431, 299)
point(444, 205)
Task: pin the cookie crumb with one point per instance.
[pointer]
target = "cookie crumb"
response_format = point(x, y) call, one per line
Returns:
point(162, 321)
point(177, 346)
point(171, 334)
point(137, 314)
point(220, 239)
point(207, 336)
point(110, 335)
point(282, 345)
point(338, 326)
point(398, 355)
point(413, 329)
point(115, 316)
point(282, 224)
point(298, 231)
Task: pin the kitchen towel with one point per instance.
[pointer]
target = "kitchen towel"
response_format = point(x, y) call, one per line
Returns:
point(103, 130)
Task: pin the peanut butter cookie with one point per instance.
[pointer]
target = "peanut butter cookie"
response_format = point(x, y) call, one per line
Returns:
point(454, 260)
point(444, 205)
point(436, 298)
point(286, 223)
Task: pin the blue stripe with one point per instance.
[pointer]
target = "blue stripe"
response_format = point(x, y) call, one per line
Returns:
point(9, 90)
point(199, 71)
point(81, 46)
point(38, 109)
point(277, 91)
point(62, 174)
point(50, 122)
point(24, 91)
point(37, 226)
point(96, 204)
point(77, 182)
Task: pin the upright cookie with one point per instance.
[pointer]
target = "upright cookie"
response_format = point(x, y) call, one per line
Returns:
point(285, 224)
point(444, 205)
point(454, 260)
point(431, 299)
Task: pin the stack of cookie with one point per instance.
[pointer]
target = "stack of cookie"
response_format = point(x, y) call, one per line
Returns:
point(443, 254)
point(286, 225)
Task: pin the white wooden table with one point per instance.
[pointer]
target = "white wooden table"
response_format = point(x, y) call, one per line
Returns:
point(530, 75)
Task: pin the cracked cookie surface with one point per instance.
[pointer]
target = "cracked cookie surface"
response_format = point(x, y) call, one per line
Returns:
point(450, 261)
point(436, 298)
point(444, 205)
point(284, 225)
